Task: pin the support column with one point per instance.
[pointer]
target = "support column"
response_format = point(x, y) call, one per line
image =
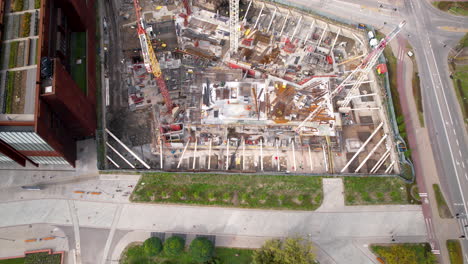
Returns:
point(370, 153)
point(310, 160)
point(294, 154)
point(311, 30)
point(243, 153)
point(271, 21)
point(295, 29)
point(258, 18)
point(323, 34)
point(183, 152)
point(380, 162)
point(334, 41)
point(362, 147)
point(209, 154)
point(195, 154)
point(284, 24)
point(261, 155)
point(227, 155)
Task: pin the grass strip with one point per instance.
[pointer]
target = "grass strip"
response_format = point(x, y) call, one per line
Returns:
point(9, 92)
point(460, 82)
point(12, 261)
point(249, 191)
point(374, 190)
point(234, 255)
point(13, 54)
point(455, 252)
point(405, 253)
point(453, 7)
point(444, 210)
point(37, 4)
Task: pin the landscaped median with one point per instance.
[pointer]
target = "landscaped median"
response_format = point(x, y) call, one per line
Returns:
point(250, 191)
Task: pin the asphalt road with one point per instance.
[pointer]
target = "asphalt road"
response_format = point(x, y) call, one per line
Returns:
point(441, 109)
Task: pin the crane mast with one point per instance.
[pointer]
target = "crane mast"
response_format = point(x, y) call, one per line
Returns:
point(149, 57)
point(359, 74)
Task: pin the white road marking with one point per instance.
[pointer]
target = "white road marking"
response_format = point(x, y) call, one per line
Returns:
point(458, 142)
point(429, 233)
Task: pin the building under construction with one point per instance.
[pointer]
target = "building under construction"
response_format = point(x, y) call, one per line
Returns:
point(254, 86)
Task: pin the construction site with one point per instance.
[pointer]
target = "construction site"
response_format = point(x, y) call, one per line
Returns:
point(248, 86)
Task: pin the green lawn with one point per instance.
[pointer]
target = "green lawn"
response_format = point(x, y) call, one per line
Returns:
point(78, 51)
point(444, 211)
point(455, 8)
point(405, 253)
point(228, 255)
point(455, 252)
point(134, 254)
point(251, 191)
point(374, 190)
point(12, 261)
point(460, 82)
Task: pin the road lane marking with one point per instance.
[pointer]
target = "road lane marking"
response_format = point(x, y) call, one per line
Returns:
point(442, 117)
point(458, 142)
point(429, 233)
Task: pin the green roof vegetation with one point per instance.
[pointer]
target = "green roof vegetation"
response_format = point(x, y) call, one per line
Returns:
point(78, 52)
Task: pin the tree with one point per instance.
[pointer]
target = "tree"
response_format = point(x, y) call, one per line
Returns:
point(152, 246)
point(290, 251)
point(201, 249)
point(173, 246)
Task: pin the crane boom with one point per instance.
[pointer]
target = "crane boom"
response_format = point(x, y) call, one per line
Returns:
point(149, 57)
point(363, 69)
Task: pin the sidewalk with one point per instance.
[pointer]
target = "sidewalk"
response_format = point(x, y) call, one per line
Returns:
point(419, 143)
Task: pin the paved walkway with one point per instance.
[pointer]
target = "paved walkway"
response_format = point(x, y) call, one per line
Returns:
point(334, 228)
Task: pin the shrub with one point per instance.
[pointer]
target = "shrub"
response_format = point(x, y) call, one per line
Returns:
point(13, 54)
point(26, 25)
point(201, 249)
point(174, 246)
point(18, 5)
point(152, 246)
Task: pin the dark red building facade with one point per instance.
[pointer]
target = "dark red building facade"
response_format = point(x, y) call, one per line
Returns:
point(64, 112)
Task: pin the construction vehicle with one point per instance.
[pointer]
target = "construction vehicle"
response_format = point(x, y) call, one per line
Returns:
point(149, 57)
point(356, 77)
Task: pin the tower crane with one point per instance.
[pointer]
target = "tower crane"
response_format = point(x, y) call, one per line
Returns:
point(358, 74)
point(149, 57)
